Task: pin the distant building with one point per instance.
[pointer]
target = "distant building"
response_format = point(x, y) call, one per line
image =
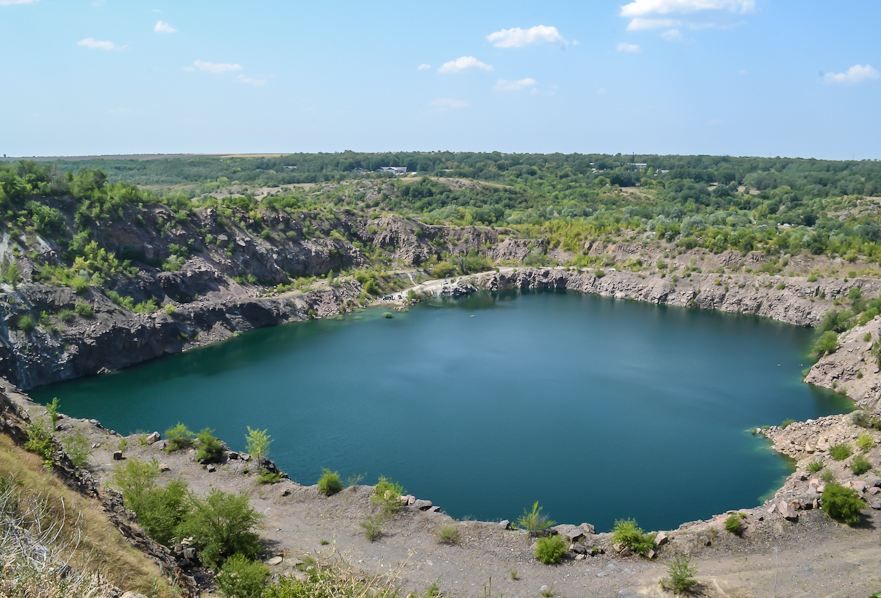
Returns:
point(395, 170)
point(638, 165)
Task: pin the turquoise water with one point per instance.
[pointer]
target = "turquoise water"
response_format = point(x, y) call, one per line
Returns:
point(601, 409)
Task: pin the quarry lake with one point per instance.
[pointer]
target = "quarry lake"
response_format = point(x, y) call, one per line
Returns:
point(600, 409)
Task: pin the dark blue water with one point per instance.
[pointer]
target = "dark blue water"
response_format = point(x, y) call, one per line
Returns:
point(600, 409)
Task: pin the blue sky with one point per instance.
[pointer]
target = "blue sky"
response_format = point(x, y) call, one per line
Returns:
point(741, 77)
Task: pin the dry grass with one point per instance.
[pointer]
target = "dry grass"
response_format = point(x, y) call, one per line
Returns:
point(79, 530)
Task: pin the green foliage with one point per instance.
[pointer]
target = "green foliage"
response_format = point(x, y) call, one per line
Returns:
point(25, 323)
point(815, 466)
point(786, 423)
point(449, 534)
point(866, 420)
point(680, 576)
point(222, 525)
point(209, 448)
point(329, 483)
point(734, 524)
point(372, 527)
point(178, 438)
point(52, 411)
point(860, 465)
point(825, 344)
point(83, 309)
point(78, 447)
point(550, 550)
point(842, 504)
point(387, 495)
point(840, 452)
point(535, 521)
point(241, 577)
point(269, 477)
point(40, 441)
point(257, 443)
point(865, 442)
point(10, 273)
point(629, 535)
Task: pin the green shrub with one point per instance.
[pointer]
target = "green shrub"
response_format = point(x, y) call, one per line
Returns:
point(372, 527)
point(257, 443)
point(535, 521)
point(25, 323)
point(550, 550)
point(842, 504)
point(209, 449)
point(83, 309)
point(628, 534)
point(329, 483)
point(860, 465)
point(840, 452)
point(786, 423)
point(449, 534)
point(825, 344)
point(40, 441)
point(222, 525)
point(387, 495)
point(78, 448)
point(866, 420)
point(241, 577)
point(865, 443)
point(178, 438)
point(680, 576)
point(269, 477)
point(443, 270)
point(734, 524)
point(52, 408)
point(160, 510)
point(815, 466)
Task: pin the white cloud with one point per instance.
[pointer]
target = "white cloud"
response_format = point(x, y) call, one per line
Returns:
point(645, 24)
point(16, 2)
point(246, 80)
point(672, 35)
point(163, 27)
point(858, 73)
point(215, 68)
point(423, 67)
point(463, 63)
point(98, 44)
point(448, 104)
point(626, 48)
point(505, 85)
point(517, 37)
point(673, 15)
point(643, 8)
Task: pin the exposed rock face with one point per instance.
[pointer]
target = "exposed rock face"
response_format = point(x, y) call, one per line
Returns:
point(853, 368)
point(799, 302)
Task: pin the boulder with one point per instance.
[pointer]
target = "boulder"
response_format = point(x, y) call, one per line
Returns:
point(504, 524)
point(589, 529)
point(152, 438)
point(661, 538)
point(164, 467)
point(422, 504)
point(117, 455)
point(876, 504)
point(570, 532)
point(787, 510)
point(276, 560)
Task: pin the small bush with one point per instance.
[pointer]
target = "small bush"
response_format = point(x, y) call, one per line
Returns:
point(815, 466)
point(842, 504)
point(534, 521)
point(840, 452)
point(40, 441)
point(209, 449)
point(52, 408)
point(449, 534)
point(860, 465)
point(78, 448)
point(786, 423)
point(387, 495)
point(329, 483)
point(160, 511)
point(83, 309)
point(25, 323)
point(825, 344)
point(178, 438)
point(628, 534)
point(734, 524)
point(242, 578)
point(865, 420)
point(372, 527)
point(550, 550)
point(865, 443)
point(257, 443)
point(269, 477)
point(222, 525)
point(680, 576)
